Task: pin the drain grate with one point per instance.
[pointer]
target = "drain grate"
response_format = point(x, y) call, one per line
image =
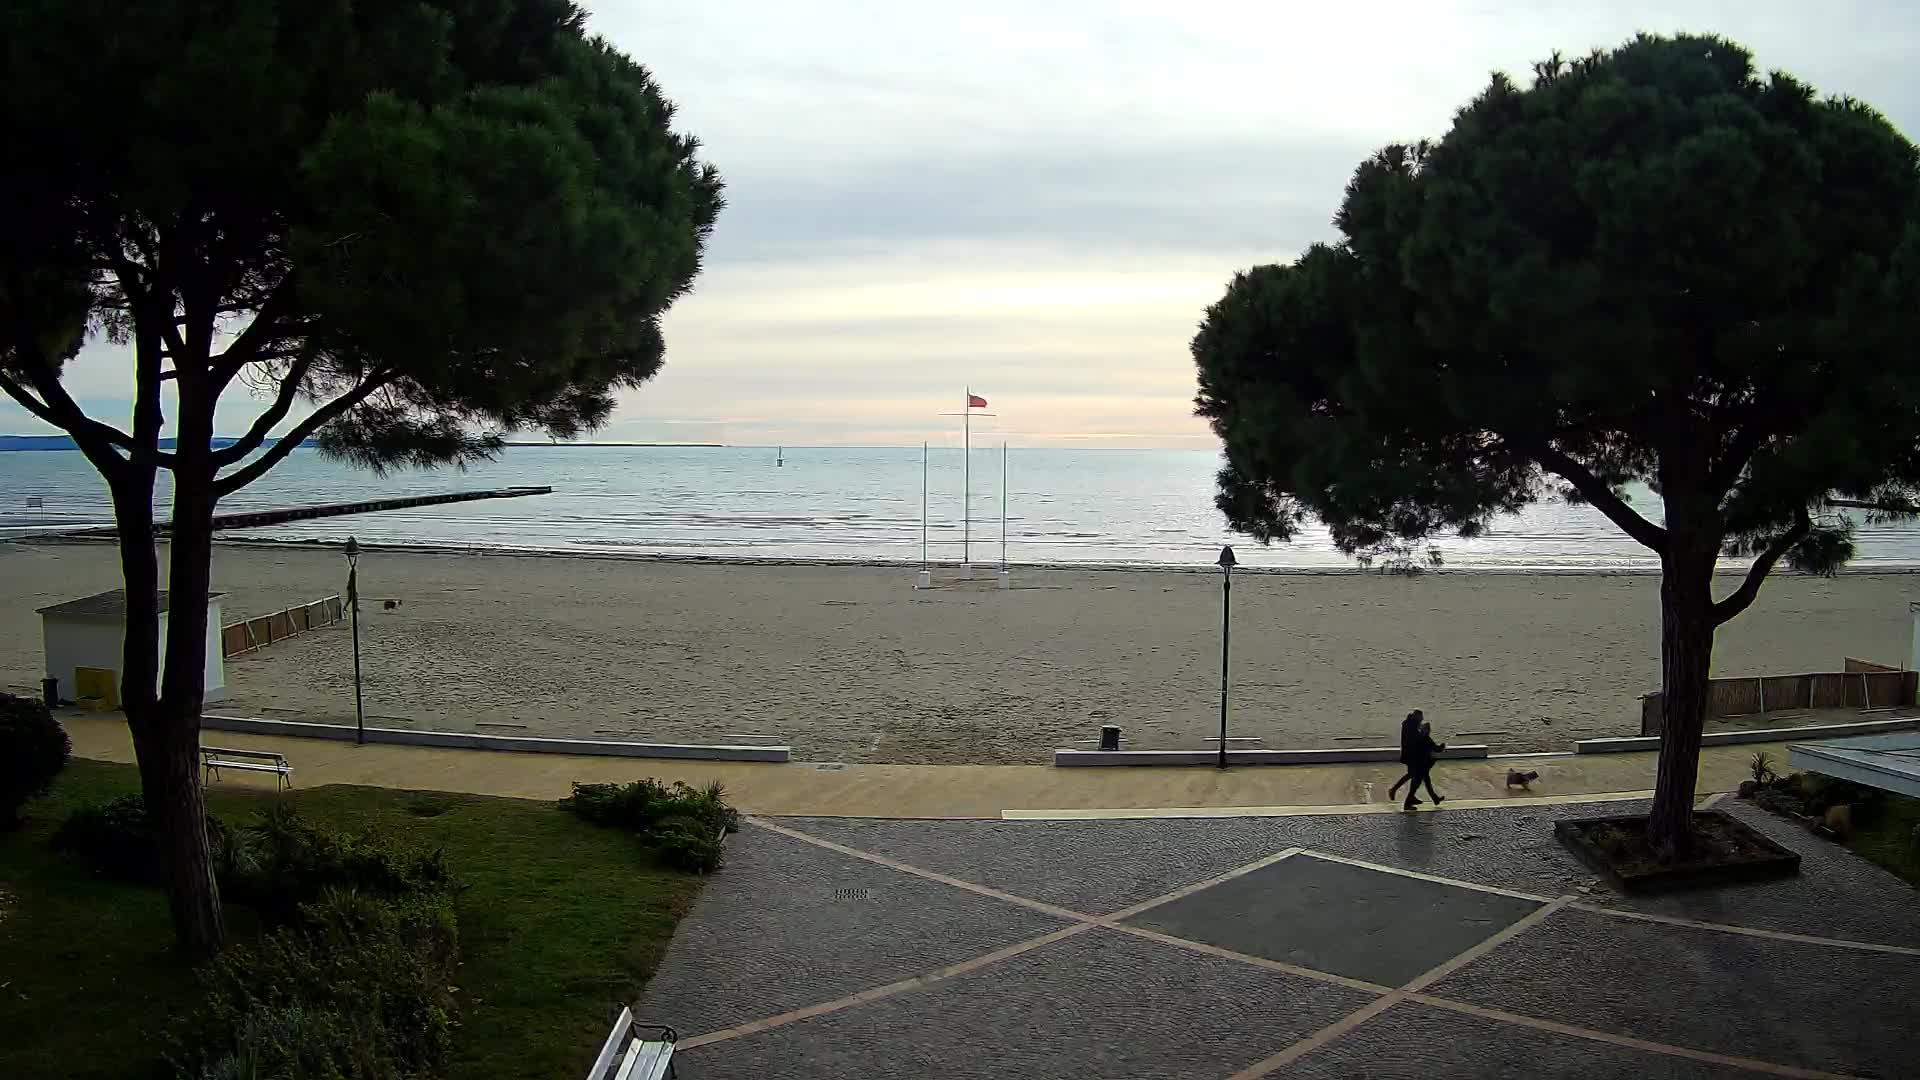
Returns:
point(853, 894)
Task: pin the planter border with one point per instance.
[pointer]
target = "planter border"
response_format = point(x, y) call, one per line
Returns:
point(1784, 862)
point(518, 743)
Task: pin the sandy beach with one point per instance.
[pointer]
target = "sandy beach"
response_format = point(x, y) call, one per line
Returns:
point(849, 663)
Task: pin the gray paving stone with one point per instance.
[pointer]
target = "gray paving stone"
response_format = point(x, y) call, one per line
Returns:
point(768, 934)
point(1836, 894)
point(1097, 1006)
point(1092, 866)
point(1348, 920)
point(1509, 847)
point(1815, 1006)
point(1417, 1042)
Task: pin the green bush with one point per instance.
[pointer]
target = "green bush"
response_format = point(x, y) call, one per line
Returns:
point(116, 837)
point(33, 750)
point(681, 825)
point(281, 861)
point(358, 988)
point(273, 864)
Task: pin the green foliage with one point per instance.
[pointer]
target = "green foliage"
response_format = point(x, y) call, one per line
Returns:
point(116, 837)
point(468, 204)
point(274, 864)
point(681, 825)
point(547, 936)
point(33, 750)
point(359, 988)
point(1762, 767)
point(1650, 265)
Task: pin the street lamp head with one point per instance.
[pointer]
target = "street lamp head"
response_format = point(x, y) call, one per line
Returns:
point(1226, 560)
point(353, 548)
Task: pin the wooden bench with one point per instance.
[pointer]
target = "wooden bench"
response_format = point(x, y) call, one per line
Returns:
point(635, 1051)
point(215, 758)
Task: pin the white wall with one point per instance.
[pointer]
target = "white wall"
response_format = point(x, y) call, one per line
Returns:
point(90, 641)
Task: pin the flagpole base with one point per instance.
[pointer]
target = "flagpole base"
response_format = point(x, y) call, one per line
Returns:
point(966, 571)
point(1006, 580)
point(924, 580)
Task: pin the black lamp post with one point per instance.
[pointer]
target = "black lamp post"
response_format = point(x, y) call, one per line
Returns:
point(1226, 561)
point(353, 612)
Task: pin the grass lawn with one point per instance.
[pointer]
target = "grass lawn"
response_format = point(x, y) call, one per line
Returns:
point(1889, 839)
point(559, 920)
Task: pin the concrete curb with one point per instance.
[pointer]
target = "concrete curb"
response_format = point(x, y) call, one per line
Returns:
point(1756, 735)
point(518, 743)
point(1081, 758)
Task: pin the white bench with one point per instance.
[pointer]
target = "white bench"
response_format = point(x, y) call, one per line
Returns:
point(215, 758)
point(635, 1051)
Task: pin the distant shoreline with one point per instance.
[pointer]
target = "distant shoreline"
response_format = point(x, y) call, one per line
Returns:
point(984, 569)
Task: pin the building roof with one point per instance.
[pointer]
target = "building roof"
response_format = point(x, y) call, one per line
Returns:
point(1887, 762)
point(111, 604)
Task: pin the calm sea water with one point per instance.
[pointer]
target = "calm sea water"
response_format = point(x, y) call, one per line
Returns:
point(1143, 507)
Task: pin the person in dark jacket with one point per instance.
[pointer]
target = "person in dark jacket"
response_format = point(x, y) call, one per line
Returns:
point(1417, 752)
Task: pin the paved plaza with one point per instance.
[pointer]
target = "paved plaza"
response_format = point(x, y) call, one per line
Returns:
point(1454, 944)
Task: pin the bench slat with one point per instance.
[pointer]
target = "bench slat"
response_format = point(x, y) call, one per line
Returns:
point(611, 1047)
point(653, 1061)
point(248, 766)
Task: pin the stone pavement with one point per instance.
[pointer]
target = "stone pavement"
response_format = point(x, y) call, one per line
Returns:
point(1461, 944)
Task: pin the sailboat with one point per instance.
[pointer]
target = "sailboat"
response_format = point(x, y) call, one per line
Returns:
point(779, 456)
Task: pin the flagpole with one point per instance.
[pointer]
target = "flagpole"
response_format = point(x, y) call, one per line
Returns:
point(966, 479)
point(1003, 507)
point(923, 506)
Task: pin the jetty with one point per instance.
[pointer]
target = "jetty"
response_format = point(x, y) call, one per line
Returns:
point(260, 518)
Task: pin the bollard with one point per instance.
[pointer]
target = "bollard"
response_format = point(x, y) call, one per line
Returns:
point(1110, 737)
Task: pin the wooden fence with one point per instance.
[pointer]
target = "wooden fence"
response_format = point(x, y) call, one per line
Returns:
point(261, 631)
point(1863, 685)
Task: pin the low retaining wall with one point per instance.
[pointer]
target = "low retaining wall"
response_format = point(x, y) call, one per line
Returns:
point(1078, 758)
point(1755, 735)
point(524, 744)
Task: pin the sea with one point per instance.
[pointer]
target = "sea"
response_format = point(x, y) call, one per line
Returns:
point(1120, 507)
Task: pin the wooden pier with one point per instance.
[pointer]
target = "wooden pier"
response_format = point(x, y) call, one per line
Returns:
point(260, 518)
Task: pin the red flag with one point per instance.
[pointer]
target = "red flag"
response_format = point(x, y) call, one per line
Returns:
point(975, 401)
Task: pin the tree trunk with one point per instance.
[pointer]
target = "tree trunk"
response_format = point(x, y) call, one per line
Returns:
point(175, 734)
point(1686, 660)
point(166, 745)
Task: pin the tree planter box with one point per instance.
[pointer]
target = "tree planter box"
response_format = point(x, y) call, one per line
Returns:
point(1735, 852)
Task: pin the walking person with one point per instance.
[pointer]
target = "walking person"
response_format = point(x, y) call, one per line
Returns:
point(1417, 753)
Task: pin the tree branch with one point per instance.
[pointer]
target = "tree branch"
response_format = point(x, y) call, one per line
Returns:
point(1601, 496)
point(1740, 450)
point(1742, 598)
point(88, 434)
point(263, 425)
point(319, 418)
point(248, 347)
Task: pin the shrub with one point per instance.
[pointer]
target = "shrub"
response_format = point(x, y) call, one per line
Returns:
point(358, 988)
point(685, 842)
point(116, 837)
point(681, 825)
point(274, 864)
point(33, 750)
point(281, 861)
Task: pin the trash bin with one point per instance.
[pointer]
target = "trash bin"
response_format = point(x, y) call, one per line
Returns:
point(50, 692)
point(1110, 737)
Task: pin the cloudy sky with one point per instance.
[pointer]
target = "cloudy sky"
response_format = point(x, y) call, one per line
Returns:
point(1039, 199)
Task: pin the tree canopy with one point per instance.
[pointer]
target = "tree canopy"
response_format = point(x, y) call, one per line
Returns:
point(429, 221)
point(1653, 265)
point(410, 226)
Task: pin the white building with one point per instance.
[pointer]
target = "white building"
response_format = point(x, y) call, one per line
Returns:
point(91, 633)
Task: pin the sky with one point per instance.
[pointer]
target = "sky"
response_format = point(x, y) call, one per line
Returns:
point(1039, 200)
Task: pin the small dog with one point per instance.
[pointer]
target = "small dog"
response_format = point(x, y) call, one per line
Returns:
point(1516, 778)
point(391, 604)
